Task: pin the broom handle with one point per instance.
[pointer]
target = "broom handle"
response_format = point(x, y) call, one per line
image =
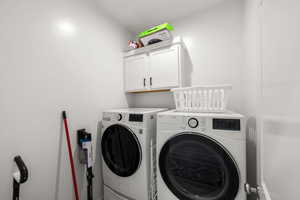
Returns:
point(70, 155)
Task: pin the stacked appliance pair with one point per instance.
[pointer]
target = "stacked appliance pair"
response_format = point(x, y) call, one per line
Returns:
point(128, 143)
point(199, 150)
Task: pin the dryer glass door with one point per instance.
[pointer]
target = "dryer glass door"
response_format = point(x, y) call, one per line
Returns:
point(121, 150)
point(195, 167)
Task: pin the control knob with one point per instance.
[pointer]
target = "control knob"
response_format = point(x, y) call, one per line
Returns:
point(119, 117)
point(193, 123)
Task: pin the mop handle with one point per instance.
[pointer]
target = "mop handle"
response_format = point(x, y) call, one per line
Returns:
point(70, 155)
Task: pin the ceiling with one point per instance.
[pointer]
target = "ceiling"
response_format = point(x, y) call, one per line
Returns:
point(137, 15)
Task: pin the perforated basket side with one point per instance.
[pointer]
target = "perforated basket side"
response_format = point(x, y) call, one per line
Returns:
point(202, 98)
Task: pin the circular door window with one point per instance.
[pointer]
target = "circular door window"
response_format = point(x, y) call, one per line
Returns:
point(121, 150)
point(195, 167)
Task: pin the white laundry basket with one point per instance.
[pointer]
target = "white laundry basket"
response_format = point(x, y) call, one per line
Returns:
point(202, 98)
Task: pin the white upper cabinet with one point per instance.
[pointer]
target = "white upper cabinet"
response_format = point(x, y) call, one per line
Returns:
point(135, 70)
point(164, 67)
point(156, 68)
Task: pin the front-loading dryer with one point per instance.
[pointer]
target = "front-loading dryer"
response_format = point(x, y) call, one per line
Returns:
point(128, 141)
point(201, 156)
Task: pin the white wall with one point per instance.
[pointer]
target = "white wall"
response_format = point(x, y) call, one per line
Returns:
point(251, 83)
point(214, 42)
point(54, 55)
point(271, 31)
point(280, 110)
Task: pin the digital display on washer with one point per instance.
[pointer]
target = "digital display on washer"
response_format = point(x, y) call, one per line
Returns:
point(135, 117)
point(227, 124)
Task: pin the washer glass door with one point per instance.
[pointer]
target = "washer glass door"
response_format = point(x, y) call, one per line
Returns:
point(195, 167)
point(121, 150)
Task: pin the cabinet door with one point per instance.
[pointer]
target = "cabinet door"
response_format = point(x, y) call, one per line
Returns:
point(164, 68)
point(135, 73)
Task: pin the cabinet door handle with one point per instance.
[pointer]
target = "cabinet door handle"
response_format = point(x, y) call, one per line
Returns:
point(150, 81)
point(144, 82)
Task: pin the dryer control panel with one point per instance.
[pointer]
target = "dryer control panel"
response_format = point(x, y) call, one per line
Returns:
point(227, 124)
point(136, 117)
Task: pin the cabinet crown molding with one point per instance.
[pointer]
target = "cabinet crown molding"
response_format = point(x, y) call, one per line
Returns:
point(147, 49)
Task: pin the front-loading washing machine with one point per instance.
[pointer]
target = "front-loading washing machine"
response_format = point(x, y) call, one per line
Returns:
point(128, 142)
point(201, 156)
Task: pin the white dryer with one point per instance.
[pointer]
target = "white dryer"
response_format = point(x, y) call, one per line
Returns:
point(128, 153)
point(201, 156)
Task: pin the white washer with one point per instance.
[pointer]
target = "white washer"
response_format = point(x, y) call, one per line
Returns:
point(128, 142)
point(201, 156)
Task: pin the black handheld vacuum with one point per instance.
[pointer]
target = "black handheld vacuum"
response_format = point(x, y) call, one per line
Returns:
point(19, 176)
point(84, 140)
